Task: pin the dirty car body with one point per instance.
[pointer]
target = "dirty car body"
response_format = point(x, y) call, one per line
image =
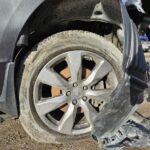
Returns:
point(25, 22)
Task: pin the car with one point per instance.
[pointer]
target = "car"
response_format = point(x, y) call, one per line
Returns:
point(62, 62)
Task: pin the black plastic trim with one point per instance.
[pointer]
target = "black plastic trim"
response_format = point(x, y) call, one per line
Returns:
point(8, 102)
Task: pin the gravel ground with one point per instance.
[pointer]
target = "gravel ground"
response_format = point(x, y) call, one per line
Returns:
point(13, 137)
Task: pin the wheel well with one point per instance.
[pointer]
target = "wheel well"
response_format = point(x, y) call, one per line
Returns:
point(59, 15)
point(103, 29)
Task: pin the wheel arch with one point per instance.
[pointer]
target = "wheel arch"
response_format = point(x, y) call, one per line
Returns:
point(54, 16)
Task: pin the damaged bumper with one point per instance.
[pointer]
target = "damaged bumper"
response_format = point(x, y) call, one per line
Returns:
point(129, 92)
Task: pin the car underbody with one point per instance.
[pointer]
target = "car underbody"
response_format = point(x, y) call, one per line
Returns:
point(127, 127)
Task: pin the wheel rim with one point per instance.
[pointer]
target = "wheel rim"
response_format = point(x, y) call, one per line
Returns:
point(71, 89)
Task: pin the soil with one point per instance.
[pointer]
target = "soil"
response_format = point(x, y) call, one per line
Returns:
point(13, 137)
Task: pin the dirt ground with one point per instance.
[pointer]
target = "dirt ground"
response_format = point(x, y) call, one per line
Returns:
point(13, 137)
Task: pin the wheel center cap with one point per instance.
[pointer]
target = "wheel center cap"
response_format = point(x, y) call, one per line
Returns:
point(77, 93)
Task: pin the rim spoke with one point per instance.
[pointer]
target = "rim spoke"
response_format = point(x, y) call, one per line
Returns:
point(99, 94)
point(99, 72)
point(74, 60)
point(67, 121)
point(52, 78)
point(89, 111)
point(47, 105)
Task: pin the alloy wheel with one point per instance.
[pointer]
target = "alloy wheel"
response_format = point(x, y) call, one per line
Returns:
point(71, 89)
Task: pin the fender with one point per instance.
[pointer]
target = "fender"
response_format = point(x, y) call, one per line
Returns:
point(13, 15)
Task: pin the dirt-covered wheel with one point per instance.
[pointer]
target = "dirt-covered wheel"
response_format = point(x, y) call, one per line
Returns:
point(65, 82)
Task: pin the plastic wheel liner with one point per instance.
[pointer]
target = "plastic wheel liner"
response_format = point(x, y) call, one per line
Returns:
point(129, 92)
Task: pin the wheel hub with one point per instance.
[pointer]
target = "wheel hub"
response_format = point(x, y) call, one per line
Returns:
point(77, 92)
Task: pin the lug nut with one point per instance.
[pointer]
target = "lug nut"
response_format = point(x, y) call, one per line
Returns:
point(68, 93)
point(85, 88)
point(84, 98)
point(74, 102)
point(75, 84)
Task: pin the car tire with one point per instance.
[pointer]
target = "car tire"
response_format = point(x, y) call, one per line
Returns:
point(46, 50)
